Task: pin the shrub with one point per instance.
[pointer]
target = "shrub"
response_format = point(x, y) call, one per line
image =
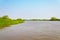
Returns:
point(5, 21)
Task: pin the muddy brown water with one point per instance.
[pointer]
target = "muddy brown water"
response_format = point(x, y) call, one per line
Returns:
point(32, 30)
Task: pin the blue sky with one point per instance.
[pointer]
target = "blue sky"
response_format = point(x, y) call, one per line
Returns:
point(30, 8)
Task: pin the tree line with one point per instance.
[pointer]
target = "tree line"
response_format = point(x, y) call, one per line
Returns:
point(51, 19)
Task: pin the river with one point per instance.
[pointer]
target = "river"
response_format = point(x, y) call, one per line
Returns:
point(32, 30)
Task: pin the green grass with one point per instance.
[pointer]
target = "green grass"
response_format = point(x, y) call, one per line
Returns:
point(5, 21)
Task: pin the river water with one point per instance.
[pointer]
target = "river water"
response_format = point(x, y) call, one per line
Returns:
point(32, 30)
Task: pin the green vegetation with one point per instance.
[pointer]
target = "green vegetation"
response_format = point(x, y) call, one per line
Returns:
point(5, 21)
point(54, 19)
point(51, 19)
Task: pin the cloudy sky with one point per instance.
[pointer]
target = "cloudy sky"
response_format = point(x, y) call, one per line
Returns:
point(30, 8)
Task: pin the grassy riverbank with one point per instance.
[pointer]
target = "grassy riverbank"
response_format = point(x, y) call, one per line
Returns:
point(5, 21)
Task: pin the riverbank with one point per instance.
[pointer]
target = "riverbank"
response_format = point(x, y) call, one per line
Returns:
point(5, 21)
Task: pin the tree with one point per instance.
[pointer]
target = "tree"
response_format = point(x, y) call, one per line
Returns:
point(5, 17)
point(53, 19)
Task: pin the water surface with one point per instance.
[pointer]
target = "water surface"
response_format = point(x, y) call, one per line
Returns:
point(32, 30)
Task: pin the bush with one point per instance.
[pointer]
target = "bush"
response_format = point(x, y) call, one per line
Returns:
point(53, 19)
point(5, 21)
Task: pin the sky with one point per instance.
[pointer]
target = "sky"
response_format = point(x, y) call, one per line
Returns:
point(30, 8)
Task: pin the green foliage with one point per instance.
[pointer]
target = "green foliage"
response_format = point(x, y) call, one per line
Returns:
point(5, 17)
point(5, 21)
point(53, 19)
